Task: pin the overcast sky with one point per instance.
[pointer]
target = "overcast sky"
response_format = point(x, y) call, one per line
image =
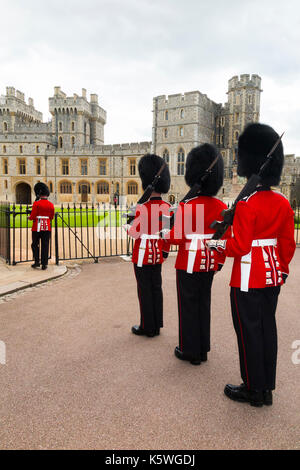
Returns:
point(128, 51)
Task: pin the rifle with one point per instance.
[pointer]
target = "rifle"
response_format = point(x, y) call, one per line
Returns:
point(193, 192)
point(248, 189)
point(147, 193)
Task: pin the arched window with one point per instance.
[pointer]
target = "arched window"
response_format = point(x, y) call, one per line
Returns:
point(60, 126)
point(166, 156)
point(181, 131)
point(132, 188)
point(5, 127)
point(181, 113)
point(236, 136)
point(73, 141)
point(65, 187)
point(102, 187)
point(166, 115)
point(60, 142)
point(72, 126)
point(180, 162)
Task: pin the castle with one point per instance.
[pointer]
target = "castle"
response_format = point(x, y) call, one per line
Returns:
point(68, 153)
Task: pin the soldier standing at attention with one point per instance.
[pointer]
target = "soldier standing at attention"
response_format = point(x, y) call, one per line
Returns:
point(262, 247)
point(149, 249)
point(42, 213)
point(195, 264)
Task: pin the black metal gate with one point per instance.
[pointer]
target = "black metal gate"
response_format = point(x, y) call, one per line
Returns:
point(5, 231)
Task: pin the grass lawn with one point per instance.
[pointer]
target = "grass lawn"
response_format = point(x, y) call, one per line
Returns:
point(75, 218)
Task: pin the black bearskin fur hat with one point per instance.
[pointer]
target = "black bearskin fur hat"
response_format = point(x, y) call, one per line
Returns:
point(255, 143)
point(148, 167)
point(198, 160)
point(41, 189)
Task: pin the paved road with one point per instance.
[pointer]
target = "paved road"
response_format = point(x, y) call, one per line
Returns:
point(76, 377)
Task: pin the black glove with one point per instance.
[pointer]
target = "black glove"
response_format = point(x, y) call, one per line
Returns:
point(284, 277)
point(165, 254)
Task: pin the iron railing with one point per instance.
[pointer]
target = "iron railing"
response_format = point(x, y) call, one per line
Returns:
point(78, 232)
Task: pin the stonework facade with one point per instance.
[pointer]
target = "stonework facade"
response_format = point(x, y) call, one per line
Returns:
point(69, 154)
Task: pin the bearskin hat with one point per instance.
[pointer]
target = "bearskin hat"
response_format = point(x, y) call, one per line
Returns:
point(255, 143)
point(198, 160)
point(148, 167)
point(41, 189)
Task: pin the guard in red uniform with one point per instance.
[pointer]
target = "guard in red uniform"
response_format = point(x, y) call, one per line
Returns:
point(262, 247)
point(42, 213)
point(149, 249)
point(195, 264)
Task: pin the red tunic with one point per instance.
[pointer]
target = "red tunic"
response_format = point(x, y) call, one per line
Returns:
point(43, 208)
point(148, 221)
point(195, 217)
point(268, 217)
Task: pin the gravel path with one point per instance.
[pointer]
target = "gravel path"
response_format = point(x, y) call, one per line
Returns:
point(75, 377)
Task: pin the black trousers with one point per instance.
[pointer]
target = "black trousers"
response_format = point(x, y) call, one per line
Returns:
point(149, 289)
point(194, 299)
point(44, 237)
point(253, 315)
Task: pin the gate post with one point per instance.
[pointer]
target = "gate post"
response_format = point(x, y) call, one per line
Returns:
point(56, 239)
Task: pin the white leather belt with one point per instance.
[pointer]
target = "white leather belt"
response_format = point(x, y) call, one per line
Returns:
point(246, 261)
point(40, 219)
point(142, 247)
point(194, 237)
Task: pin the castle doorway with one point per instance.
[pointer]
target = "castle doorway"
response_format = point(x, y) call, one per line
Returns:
point(23, 193)
point(84, 190)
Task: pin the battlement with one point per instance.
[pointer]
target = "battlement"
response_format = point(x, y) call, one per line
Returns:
point(14, 102)
point(253, 81)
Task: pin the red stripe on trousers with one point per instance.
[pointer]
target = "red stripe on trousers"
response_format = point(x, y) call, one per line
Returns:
point(179, 305)
point(242, 338)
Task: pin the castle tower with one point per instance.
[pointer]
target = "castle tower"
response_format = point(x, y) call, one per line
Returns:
point(76, 122)
point(15, 111)
point(180, 122)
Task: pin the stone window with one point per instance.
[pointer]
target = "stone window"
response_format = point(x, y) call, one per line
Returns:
point(132, 188)
point(166, 156)
point(236, 118)
point(4, 148)
point(132, 167)
point(221, 139)
point(5, 127)
point(5, 166)
point(181, 131)
point(180, 162)
point(181, 113)
point(102, 166)
point(237, 99)
point(84, 167)
point(65, 166)
point(72, 126)
point(118, 188)
point(60, 128)
point(249, 99)
point(222, 121)
point(21, 148)
point(236, 136)
point(37, 149)
point(5, 184)
point(38, 166)
point(60, 142)
point(102, 187)
point(51, 187)
point(65, 187)
point(165, 133)
point(166, 115)
point(22, 166)
point(73, 142)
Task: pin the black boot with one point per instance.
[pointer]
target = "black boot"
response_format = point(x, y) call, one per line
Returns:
point(35, 265)
point(44, 267)
point(203, 356)
point(137, 330)
point(268, 397)
point(196, 361)
point(242, 394)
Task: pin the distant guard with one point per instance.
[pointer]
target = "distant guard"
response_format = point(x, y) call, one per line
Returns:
point(262, 247)
point(42, 214)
